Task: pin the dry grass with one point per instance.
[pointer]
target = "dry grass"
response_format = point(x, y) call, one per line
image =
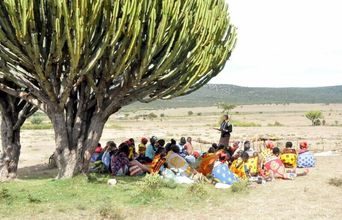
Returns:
point(335, 182)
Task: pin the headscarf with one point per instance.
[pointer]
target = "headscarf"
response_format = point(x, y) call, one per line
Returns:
point(303, 145)
point(269, 145)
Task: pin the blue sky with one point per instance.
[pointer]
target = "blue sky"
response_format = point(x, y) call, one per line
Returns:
point(285, 43)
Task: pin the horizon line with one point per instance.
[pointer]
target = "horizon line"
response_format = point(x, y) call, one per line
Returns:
point(276, 87)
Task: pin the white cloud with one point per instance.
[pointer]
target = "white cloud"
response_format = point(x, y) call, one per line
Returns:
point(285, 43)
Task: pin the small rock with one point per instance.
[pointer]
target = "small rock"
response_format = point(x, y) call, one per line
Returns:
point(112, 182)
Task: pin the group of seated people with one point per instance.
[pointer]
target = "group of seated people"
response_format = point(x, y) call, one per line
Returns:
point(224, 165)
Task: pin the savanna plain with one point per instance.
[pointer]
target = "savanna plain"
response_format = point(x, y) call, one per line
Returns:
point(36, 195)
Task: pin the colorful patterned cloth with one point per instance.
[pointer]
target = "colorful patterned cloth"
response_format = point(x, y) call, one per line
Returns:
point(222, 174)
point(141, 149)
point(289, 160)
point(207, 163)
point(175, 161)
point(120, 164)
point(275, 166)
point(266, 154)
point(239, 168)
point(157, 163)
point(306, 160)
point(253, 165)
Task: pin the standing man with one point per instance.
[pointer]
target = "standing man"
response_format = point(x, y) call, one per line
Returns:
point(226, 128)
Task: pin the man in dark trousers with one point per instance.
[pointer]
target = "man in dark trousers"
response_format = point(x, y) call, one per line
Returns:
point(226, 128)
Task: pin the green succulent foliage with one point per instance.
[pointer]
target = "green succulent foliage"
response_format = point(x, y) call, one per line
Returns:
point(149, 48)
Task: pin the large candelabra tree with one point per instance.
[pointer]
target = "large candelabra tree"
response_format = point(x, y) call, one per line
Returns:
point(80, 61)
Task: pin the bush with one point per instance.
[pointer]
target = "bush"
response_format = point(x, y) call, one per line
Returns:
point(199, 114)
point(5, 196)
point(162, 115)
point(152, 115)
point(36, 120)
point(110, 213)
point(197, 190)
point(32, 199)
point(226, 108)
point(314, 117)
point(245, 124)
point(335, 182)
point(240, 187)
point(190, 113)
point(150, 181)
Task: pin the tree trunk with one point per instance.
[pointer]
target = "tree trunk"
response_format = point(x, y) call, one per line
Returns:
point(75, 146)
point(14, 112)
point(9, 157)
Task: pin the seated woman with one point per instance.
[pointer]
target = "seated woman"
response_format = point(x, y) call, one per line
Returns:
point(221, 172)
point(120, 162)
point(305, 157)
point(97, 155)
point(108, 152)
point(207, 161)
point(273, 165)
point(158, 162)
point(239, 167)
point(253, 164)
point(176, 162)
point(289, 156)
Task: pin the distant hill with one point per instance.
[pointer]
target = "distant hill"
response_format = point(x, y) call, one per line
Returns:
point(212, 94)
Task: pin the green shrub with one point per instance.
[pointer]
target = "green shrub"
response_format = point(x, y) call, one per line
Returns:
point(197, 190)
point(190, 113)
point(314, 117)
point(152, 115)
point(36, 120)
point(199, 114)
point(33, 199)
point(111, 213)
point(245, 124)
point(239, 187)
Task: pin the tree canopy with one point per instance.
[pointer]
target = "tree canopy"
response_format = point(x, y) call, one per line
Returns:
point(82, 60)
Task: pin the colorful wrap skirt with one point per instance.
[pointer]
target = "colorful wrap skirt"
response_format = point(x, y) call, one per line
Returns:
point(306, 160)
point(253, 165)
point(275, 166)
point(222, 174)
point(289, 160)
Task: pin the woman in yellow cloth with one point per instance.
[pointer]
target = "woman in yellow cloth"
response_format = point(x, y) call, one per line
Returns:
point(239, 166)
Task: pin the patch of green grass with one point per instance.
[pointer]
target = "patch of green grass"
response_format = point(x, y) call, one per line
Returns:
point(111, 213)
point(91, 196)
point(245, 124)
point(197, 190)
point(240, 187)
point(42, 126)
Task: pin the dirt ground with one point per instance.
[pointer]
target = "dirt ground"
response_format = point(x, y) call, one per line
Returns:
point(307, 197)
